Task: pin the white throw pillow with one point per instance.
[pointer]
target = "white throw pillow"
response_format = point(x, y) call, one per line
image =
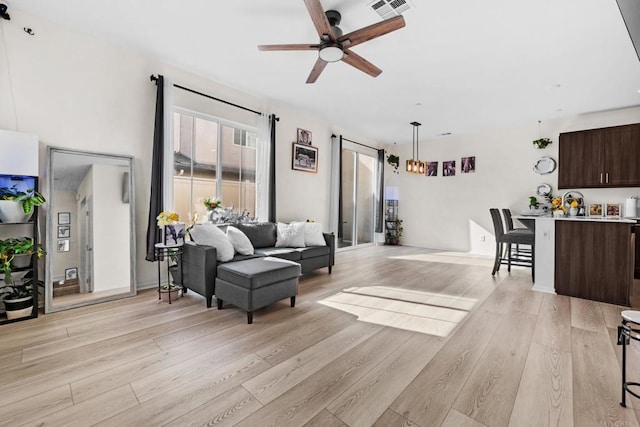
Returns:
point(209, 235)
point(290, 235)
point(240, 241)
point(313, 234)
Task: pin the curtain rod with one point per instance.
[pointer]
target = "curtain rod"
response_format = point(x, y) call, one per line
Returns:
point(364, 145)
point(155, 79)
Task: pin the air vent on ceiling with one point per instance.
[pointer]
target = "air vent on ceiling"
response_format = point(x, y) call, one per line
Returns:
point(389, 8)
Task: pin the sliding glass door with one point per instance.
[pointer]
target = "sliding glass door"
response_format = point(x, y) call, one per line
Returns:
point(358, 198)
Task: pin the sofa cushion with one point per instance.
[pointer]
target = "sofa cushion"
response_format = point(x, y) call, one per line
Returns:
point(240, 241)
point(261, 235)
point(285, 253)
point(258, 272)
point(290, 235)
point(240, 257)
point(209, 235)
point(313, 251)
point(313, 234)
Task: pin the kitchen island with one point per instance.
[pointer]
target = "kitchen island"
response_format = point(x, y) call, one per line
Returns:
point(584, 257)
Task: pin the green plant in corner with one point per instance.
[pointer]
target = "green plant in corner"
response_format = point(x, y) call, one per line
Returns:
point(542, 143)
point(29, 198)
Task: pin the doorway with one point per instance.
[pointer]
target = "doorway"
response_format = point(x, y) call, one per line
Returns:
point(358, 198)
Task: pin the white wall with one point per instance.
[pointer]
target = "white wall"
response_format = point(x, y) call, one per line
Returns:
point(453, 212)
point(78, 92)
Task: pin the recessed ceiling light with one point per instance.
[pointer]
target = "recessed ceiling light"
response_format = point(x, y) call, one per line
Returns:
point(445, 134)
point(418, 104)
point(559, 109)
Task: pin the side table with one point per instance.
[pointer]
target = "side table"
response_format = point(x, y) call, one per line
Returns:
point(173, 253)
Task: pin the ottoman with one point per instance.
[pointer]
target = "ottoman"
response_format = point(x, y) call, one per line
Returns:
point(255, 283)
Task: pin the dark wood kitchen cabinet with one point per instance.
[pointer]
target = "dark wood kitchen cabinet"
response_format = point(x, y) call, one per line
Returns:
point(594, 260)
point(606, 157)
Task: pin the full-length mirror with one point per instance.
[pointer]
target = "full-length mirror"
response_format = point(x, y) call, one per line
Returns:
point(90, 229)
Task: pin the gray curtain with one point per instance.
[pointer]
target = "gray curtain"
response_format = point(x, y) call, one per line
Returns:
point(380, 201)
point(157, 171)
point(272, 175)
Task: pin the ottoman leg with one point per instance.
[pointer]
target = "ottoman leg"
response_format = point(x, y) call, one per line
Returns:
point(293, 301)
point(249, 317)
point(219, 303)
point(209, 298)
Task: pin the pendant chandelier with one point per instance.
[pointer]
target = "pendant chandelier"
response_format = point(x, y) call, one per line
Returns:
point(415, 165)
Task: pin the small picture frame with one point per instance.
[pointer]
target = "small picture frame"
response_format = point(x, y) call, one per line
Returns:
point(304, 137)
point(174, 234)
point(63, 245)
point(64, 231)
point(468, 164)
point(449, 168)
point(432, 169)
point(595, 209)
point(612, 210)
point(64, 218)
point(71, 273)
point(304, 158)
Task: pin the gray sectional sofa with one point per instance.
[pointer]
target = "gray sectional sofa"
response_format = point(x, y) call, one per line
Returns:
point(200, 265)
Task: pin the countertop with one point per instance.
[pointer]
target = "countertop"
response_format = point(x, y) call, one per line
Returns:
point(633, 220)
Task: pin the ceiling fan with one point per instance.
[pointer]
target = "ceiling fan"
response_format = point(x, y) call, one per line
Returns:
point(334, 46)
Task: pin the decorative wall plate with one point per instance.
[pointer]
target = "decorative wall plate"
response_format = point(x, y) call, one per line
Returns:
point(544, 165)
point(543, 190)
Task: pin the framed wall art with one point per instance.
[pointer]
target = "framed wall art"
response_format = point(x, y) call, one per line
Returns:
point(304, 158)
point(63, 245)
point(64, 218)
point(468, 164)
point(449, 168)
point(64, 231)
point(304, 137)
point(432, 168)
point(71, 273)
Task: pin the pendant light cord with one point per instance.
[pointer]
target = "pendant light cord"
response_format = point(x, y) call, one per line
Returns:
point(6, 55)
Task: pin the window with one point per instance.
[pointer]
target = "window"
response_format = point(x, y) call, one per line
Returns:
point(212, 158)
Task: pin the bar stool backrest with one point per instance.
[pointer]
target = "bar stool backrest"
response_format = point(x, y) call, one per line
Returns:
point(498, 228)
point(508, 221)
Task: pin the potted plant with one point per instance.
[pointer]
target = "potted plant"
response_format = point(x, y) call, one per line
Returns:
point(394, 161)
point(17, 205)
point(18, 295)
point(170, 291)
point(542, 143)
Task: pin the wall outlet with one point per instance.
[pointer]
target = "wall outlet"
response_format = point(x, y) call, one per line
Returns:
point(546, 235)
point(482, 238)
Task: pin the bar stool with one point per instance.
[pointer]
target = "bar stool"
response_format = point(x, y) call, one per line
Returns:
point(626, 333)
point(508, 222)
point(511, 238)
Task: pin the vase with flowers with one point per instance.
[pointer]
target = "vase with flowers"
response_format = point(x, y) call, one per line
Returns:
point(214, 208)
point(559, 210)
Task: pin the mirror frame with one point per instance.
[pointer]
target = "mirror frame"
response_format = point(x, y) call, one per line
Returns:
point(51, 228)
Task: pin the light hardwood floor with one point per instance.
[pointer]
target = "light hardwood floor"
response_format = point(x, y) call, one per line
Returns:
point(395, 336)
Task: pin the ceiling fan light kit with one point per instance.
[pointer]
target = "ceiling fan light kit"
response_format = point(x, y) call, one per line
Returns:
point(334, 46)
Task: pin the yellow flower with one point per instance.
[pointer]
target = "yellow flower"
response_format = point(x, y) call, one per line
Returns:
point(167, 218)
point(574, 204)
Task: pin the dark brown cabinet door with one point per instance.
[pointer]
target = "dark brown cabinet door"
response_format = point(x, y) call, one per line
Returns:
point(622, 156)
point(580, 159)
point(594, 260)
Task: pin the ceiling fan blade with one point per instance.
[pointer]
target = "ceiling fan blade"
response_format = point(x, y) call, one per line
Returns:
point(319, 19)
point(316, 70)
point(288, 47)
point(360, 63)
point(372, 31)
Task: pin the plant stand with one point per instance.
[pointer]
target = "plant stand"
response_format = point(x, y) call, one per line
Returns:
point(393, 226)
point(172, 253)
